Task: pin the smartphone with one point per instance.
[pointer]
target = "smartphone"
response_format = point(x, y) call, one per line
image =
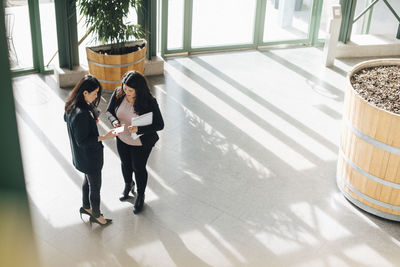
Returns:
point(118, 130)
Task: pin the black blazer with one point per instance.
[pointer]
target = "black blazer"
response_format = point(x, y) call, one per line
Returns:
point(87, 152)
point(149, 133)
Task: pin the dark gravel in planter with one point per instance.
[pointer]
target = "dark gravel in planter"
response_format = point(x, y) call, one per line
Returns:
point(380, 86)
point(121, 50)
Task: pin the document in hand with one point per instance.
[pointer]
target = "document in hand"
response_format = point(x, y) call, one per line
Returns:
point(143, 120)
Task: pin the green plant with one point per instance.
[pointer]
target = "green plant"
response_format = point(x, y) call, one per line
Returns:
point(108, 20)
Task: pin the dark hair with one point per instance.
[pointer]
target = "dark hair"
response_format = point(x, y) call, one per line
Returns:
point(137, 81)
point(76, 99)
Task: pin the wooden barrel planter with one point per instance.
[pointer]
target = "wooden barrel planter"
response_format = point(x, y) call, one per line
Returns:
point(368, 170)
point(109, 69)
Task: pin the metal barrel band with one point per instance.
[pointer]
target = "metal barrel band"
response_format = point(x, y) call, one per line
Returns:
point(104, 81)
point(367, 174)
point(116, 66)
point(365, 207)
point(368, 198)
point(370, 140)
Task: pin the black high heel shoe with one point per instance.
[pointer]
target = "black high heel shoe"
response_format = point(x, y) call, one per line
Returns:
point(128, 188)
point(94, 220)
point(138, 206)
point(83, 211)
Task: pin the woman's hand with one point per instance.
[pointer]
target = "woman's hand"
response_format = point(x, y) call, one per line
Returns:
point(132, 129)
point(108, 135)
point(115, 124)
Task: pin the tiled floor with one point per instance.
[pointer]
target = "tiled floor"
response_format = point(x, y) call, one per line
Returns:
point(243, 175)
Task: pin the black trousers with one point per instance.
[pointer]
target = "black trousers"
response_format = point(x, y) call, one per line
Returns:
point(91, 192)
point(134, 160)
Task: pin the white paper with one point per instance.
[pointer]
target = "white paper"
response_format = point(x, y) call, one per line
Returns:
point(118, 130)
point(143, 120)
point(135, 136)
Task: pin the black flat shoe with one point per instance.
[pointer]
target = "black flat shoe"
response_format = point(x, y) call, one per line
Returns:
point(128, 188)
point(94, 220)
point(83, 211)
point(139, 202)
point(124, 197)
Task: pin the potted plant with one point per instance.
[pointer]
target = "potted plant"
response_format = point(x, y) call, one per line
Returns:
point(122, 48)
point(368, 171)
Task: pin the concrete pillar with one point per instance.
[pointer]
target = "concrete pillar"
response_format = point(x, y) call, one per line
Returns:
point(68, 73)
point(67, 33)
point(147, 18)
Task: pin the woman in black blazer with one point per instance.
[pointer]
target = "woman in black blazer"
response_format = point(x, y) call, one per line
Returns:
point(87, 149)
point(135, 143)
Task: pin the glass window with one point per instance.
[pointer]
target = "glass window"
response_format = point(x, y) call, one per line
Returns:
point(380, 22)
point(287, 19)
point(383, 21)
point(223, 22)
point(360, 24)
point(18, 33)
point(175, 24)
point(325, 16)
point(87, 41)
point(49, 32)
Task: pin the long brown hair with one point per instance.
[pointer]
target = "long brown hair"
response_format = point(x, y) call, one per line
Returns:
point(137, 81)
point(76, 99)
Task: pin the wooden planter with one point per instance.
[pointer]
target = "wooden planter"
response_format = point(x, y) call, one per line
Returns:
point(109, 69)
point(368, 171)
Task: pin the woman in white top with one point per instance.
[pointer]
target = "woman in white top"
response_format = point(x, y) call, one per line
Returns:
point(135, 143)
